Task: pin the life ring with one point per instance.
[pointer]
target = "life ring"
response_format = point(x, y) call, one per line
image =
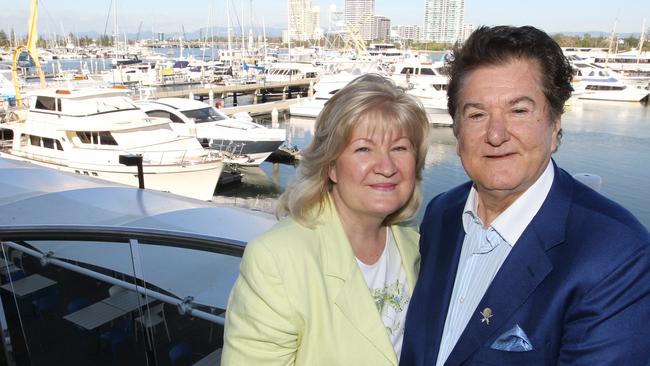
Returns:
point(218, 104)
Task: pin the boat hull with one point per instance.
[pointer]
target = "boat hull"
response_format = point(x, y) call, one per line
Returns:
point(192, 180)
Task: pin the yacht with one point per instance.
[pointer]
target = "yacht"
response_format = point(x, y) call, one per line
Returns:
point(89, 132)
point(212, 128)
point(289, 71)
point(598, 83)
point(424, 74)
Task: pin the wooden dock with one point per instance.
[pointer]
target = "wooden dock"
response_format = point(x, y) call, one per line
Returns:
point(261, 108)
point(223, 91)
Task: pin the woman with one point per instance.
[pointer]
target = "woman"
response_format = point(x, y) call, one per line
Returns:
point(330, 284)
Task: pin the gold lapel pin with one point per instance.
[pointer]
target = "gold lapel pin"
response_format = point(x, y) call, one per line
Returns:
point(486, 314)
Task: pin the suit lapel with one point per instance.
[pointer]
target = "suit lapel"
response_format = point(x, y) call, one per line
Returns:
point(445, 256)
point(525, 268)
point(352, 297)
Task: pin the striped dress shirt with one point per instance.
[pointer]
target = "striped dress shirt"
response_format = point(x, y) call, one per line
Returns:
point(484, 251)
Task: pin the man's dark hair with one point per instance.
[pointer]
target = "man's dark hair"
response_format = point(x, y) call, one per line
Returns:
point(490, 46)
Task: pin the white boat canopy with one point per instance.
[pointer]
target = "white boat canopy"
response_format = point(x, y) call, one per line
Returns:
point(32, 196)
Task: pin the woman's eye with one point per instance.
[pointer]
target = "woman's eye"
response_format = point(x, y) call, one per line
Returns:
point(362, 149)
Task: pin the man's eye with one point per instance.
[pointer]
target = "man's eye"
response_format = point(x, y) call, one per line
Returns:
point(475, 116)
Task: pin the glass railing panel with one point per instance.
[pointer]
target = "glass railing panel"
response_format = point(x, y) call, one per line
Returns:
point(56, 297)
point(188, 328)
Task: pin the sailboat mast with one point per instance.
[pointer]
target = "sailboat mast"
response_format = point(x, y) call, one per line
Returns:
point(611, 40)
point(229, 37)
point(243, 46)
point(116, 34)
point(641, 40)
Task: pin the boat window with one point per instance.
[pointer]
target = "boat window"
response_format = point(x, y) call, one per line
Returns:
point(35, 140)
point(161, 114)
point(84, 136)
point(427, 71)
point(48, 143)
point(87, 107)
point(407, 71)
point(206, 114)
point(46, 103)
point(58, 145)
point(6, 134)
point(105, 138)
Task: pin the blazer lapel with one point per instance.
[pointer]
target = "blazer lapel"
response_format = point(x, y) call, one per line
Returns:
point(353, 297)
point(525, 268)
point(445, 259)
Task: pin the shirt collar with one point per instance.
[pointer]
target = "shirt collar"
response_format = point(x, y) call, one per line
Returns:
point(512, 222)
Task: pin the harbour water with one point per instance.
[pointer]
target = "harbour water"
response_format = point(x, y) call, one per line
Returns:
point(609, 139)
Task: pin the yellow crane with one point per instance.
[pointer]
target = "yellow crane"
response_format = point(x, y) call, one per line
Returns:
point(30, 48)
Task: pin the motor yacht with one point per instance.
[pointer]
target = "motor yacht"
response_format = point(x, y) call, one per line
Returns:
point(598, 83)
point(86, 131)
point(212, 128)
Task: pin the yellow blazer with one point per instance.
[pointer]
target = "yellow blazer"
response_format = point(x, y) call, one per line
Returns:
point(301, 299)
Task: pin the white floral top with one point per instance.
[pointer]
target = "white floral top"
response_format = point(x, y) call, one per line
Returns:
point(386, 280)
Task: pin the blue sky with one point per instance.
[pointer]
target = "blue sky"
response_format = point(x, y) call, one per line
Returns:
point(57, 16)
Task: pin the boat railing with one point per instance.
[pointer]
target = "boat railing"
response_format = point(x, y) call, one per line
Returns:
point(227, 148)
point(39, 157)
point(176, 157)
point(50, 256)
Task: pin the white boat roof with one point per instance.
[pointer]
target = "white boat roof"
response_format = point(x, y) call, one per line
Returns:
point(183, 104)
point(78, 93)
point(32, 196)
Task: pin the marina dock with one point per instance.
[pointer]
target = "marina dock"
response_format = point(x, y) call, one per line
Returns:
point(224, 91)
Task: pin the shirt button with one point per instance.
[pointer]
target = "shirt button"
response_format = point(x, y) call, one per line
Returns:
point(461, 300)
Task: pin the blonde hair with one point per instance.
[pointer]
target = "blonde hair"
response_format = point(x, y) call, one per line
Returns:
point(382, 103)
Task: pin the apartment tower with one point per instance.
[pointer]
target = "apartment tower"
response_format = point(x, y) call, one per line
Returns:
point(443, 20)
point(359, 14)
point(304, 20)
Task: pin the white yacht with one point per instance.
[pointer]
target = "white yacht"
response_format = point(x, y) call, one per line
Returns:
point(599, 83)
point(289, 71)
point(214, 129)
point(424, 74)
point(85, 131)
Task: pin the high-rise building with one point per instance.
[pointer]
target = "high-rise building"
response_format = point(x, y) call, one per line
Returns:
point(304, 20)
point(359, 14)
point(381, 28)
point(443, 20)
point(410, 32)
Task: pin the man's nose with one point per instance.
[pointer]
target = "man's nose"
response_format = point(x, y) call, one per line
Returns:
point(497, 130)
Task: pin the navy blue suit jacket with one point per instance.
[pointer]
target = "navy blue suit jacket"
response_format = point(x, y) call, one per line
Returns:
point(577, 282)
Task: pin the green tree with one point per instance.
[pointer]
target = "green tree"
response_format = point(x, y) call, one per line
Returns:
point(4, 40)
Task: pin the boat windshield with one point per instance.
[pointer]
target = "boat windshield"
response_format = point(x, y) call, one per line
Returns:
point(206, 114)
point(86, 107)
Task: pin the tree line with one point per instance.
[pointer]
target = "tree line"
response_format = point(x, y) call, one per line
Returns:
point(582, 41)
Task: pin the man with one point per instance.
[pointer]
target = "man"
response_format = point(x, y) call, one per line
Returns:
point(524, 265)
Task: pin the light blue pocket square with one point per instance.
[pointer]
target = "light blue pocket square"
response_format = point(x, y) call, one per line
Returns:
point(514, 340)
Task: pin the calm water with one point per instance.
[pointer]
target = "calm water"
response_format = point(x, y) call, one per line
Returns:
point(608, 139)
